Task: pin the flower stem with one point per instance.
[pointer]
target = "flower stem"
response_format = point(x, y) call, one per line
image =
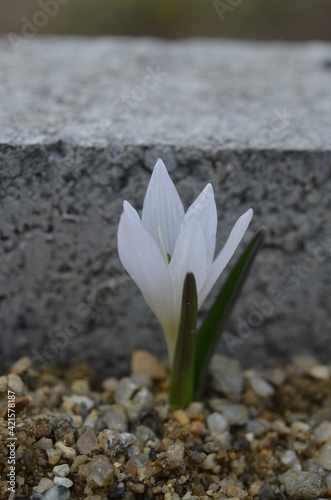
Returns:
point(181, 389)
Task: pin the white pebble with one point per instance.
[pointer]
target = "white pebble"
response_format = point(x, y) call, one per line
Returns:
point(323, 432)
point(63, 481)
point(15, 384)
point(290, 459)
point(259, 385)
point(61, 470)
point(320, 372)
point(216, 423)
point(324, 456)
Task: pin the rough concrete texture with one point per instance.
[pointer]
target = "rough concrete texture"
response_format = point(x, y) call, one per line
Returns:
point(83, 122)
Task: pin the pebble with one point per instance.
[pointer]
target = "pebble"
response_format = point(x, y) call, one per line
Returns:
point(260, 386)
point(63, 481)
point(290, 459)
point(61, 470)
point(313, 467)
point(227, 376)
point(181, 417)
point(232, 491)
point(91, 418)
point(235, 414)
point(141, 404)
point(87, 442)
point(21, 366)
point(80, 386)
point(257, 427)
point(323, 456)
point(210, 462)
point(255, 488)
point(194, 409)
point(142, 380)
point(119, 442)
point(44, 484)
point(320, 372)
point(144, 434)
point(304, 363)
point(57, 493)
point(64, 429)
point(53, 455)
point(44, 444)
point(15, 383)
point(266, 492)
point(280, 427)
point(116, 418)
point(78, 403)
point(110, 384)
point(173, 458)
point(197, 428)
point(136, 488)
point(125, 390)
point(301, 485)
point(43, 431)
point(98, 471)
point(276, 376)
point(144, 363)
point(322, 433)
point(66, 451)
point(300, 429)
point(216, 423)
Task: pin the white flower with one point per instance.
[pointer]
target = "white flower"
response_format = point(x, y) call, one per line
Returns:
point(159, 249)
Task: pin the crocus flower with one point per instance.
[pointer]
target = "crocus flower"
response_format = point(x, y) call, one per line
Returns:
point(159, 249)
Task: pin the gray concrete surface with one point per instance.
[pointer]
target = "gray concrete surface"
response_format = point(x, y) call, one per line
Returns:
point(82, 122)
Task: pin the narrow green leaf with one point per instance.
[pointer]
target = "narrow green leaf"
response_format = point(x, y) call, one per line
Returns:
point(212, 329)
point(181, 388)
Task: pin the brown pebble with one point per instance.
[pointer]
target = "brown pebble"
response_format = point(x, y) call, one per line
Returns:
point(144, 363)
point(198, 416)
point(212, 478)
point(196, 428)
point(131, 469)
point(164, 386)
point(43, 430)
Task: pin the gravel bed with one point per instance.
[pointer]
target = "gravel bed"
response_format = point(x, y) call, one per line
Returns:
point(264, 433)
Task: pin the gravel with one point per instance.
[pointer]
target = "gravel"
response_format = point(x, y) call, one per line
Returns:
point(120, 440)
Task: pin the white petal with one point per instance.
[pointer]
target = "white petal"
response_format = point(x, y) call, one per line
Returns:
point(189, 256)
point(204, 209)
point(226, 253)
point(142, 259)
point(128, 208)
point(162, 209)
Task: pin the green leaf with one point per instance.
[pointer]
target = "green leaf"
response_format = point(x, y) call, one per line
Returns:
point(212, 329)
point(181, 388)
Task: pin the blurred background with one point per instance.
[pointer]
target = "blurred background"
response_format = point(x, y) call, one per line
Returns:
point(173, 19)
